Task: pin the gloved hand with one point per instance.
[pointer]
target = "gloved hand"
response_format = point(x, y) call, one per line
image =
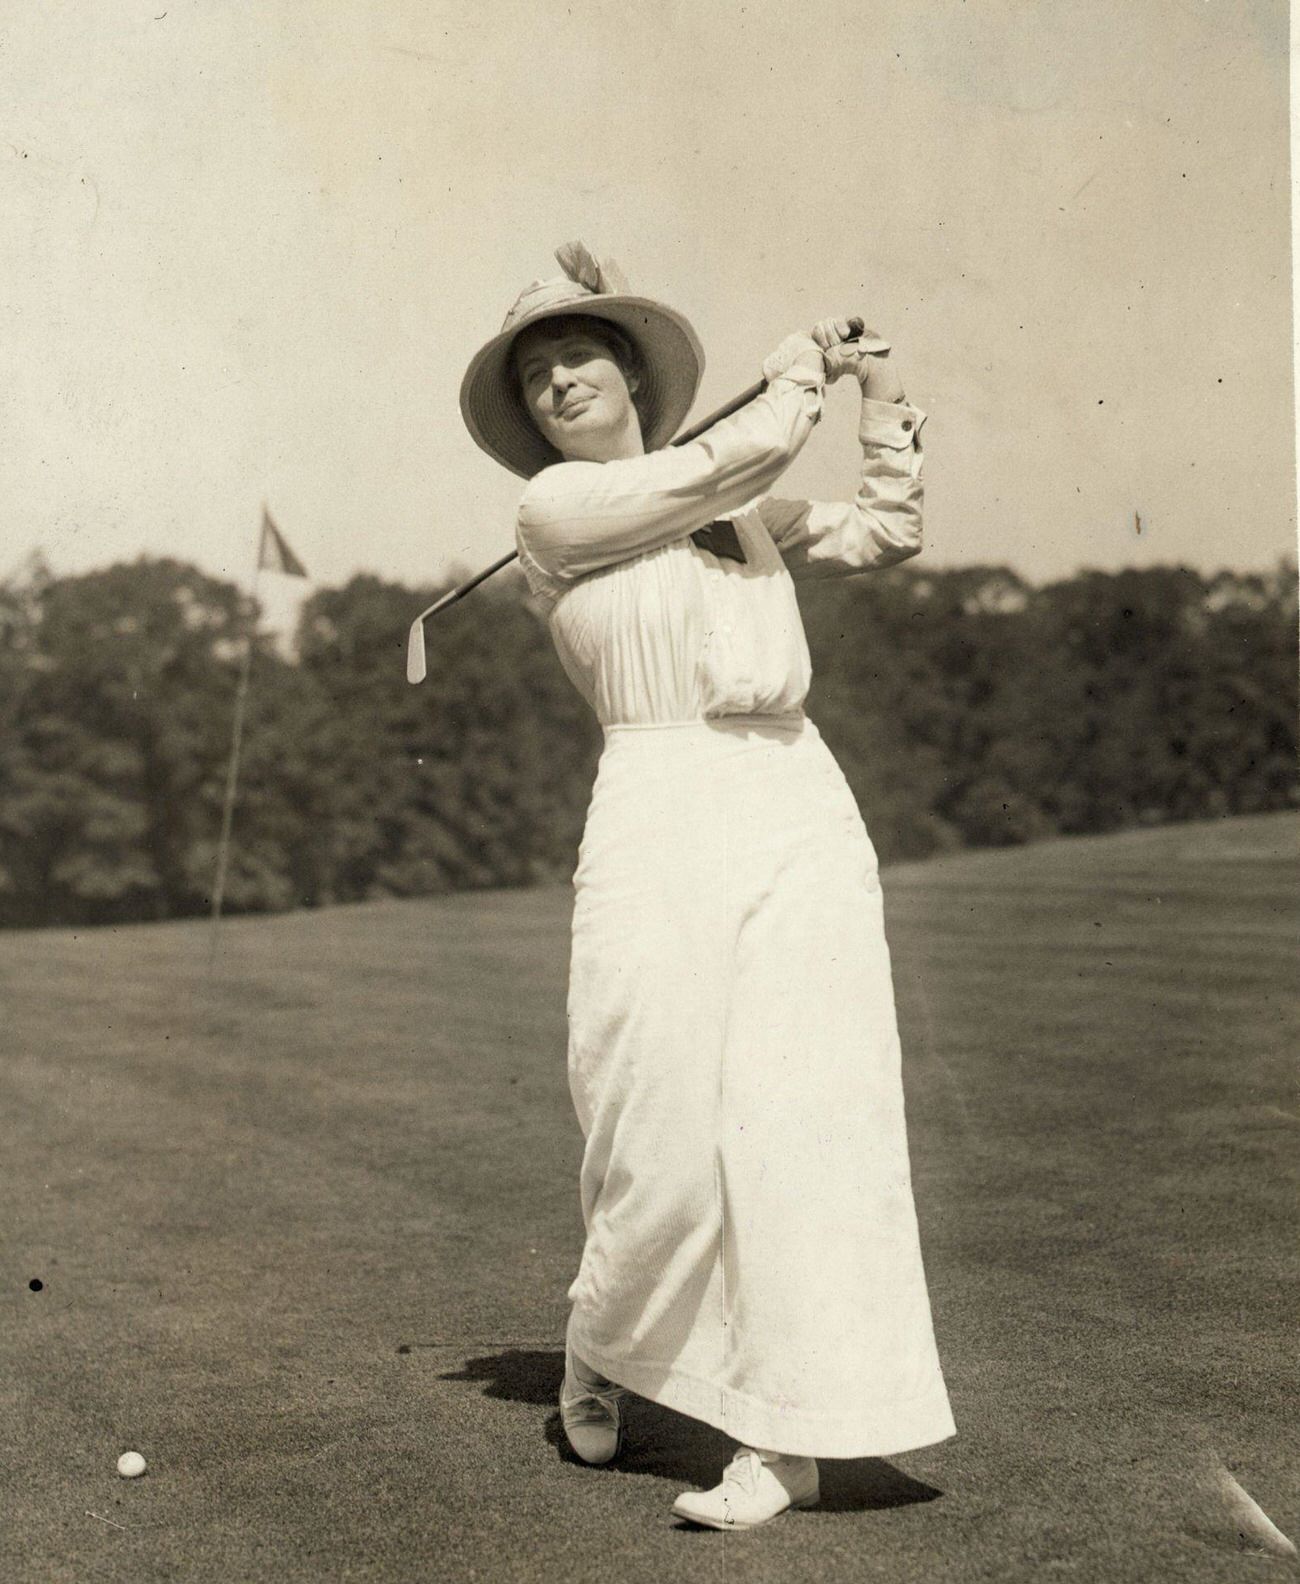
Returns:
point(866, 358)
point(797, 352)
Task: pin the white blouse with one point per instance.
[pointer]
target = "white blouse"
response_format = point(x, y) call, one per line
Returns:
point(651, 627)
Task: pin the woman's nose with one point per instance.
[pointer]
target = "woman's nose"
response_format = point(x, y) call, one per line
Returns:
point(561, 378)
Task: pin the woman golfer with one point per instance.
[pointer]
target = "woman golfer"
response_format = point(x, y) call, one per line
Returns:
point(751, 1253)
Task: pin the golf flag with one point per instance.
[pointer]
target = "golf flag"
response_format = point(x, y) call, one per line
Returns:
point(273, 555)
point(273, 552)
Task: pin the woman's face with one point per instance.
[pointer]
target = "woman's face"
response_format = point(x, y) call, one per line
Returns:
point(576, 394)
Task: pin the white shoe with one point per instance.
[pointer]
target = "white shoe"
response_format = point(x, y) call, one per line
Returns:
point(753, 1490)
point(591, 1411)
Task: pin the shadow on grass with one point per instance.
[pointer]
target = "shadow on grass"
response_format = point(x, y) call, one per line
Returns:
point(515, 1375)
point(671, 1446)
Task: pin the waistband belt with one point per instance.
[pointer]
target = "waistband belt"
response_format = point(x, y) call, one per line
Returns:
point(789, 722)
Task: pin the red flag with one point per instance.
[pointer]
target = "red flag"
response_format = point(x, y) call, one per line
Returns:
point(274, 554)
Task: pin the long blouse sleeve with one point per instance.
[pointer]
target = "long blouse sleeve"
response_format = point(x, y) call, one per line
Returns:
point(577, 517)
point(880, 526)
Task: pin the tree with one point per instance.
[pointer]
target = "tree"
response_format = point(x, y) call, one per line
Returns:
point(117, 756)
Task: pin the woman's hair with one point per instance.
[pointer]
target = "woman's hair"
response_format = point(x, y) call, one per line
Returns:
point(620, 346)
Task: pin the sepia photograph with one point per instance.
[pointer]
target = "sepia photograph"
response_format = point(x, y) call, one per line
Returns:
point(649, 798)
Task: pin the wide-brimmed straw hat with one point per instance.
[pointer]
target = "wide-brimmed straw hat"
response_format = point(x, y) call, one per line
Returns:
point(670, 351)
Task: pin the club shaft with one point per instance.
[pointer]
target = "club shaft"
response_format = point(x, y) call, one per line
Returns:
point(693, 433)
point(451, 597)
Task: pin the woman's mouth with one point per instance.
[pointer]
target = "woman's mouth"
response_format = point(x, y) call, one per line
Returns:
point(575, 404)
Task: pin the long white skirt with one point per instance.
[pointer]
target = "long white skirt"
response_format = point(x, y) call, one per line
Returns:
point(751, 1252)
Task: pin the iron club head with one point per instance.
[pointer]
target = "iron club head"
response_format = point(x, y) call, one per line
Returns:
point(416, 665)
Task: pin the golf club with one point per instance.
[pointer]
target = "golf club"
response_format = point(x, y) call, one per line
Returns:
point(416, 662)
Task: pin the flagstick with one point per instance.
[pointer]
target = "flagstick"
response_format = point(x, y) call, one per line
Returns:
point(232, 768)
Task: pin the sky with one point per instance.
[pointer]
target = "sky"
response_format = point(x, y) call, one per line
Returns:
point(248, 251)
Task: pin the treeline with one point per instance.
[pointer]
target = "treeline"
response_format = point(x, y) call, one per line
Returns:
point(967, 708)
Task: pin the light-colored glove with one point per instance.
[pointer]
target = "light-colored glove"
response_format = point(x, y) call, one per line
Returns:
point(865, 358)
point(799, 356)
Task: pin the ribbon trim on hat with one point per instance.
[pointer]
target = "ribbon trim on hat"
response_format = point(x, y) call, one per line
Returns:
point(580, 264)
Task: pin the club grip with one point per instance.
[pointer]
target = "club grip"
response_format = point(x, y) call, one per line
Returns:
point(856, 327)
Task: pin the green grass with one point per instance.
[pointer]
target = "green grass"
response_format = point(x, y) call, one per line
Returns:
point(305, 1232)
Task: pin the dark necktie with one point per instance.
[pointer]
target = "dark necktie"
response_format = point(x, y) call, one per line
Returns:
point(722, 539)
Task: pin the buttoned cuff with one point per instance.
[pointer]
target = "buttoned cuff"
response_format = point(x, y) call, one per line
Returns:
point(893, 424)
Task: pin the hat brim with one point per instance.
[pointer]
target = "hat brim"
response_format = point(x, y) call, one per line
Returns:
point(670, 350)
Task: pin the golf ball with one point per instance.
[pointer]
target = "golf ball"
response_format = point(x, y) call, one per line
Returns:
point(130, 1464)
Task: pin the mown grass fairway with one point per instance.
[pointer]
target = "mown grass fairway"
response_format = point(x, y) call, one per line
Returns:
point(304, 1235)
